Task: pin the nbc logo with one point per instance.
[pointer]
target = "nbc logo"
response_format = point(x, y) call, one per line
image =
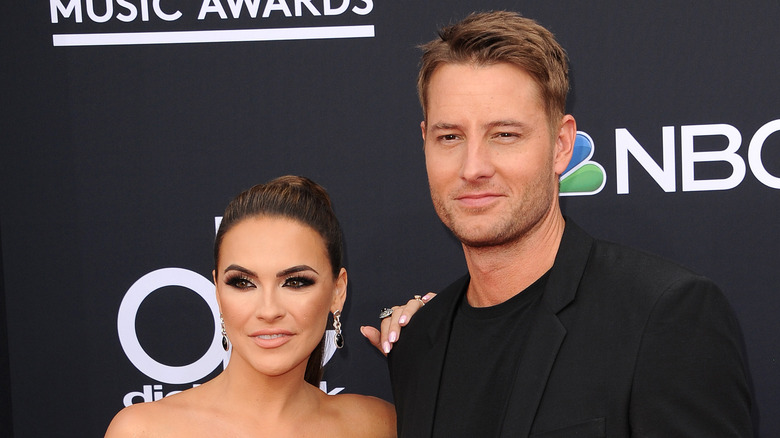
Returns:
point(582, 176)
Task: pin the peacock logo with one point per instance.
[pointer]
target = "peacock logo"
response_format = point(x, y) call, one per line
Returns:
point(582, 176)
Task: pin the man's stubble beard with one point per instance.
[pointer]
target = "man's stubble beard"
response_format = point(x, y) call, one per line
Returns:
point(514, 224)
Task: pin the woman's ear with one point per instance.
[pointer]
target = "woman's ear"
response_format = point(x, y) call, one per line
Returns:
point(216, 289)
point(340, 292)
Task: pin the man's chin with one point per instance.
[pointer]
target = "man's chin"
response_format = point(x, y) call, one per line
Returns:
point(476, 239)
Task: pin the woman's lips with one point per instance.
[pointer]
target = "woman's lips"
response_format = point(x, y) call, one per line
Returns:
point(271, 339)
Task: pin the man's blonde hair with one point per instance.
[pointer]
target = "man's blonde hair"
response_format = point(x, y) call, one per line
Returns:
point(490, 38)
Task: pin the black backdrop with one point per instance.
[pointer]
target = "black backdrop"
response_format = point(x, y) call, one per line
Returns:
point(116, 159)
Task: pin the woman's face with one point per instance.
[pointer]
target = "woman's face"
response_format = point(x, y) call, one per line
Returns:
point(275, 288)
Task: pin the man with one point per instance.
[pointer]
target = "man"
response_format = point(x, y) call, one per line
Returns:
point(551, 333)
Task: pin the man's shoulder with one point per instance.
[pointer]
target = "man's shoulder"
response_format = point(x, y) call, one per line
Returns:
point(629, 280)
point(610, 272)
point(635, 265)
point(446, 299)
point(431, 320)
point(618, 259)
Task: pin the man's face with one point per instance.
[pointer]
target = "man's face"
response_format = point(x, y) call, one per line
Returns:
point(491, 158)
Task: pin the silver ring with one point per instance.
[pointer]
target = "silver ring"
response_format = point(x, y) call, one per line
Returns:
point(385, 313)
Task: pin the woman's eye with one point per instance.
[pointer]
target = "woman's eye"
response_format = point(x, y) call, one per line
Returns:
point(297, 282)
point(240, 283)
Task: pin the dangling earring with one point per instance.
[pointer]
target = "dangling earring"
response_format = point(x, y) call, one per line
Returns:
point(338, 339)
point(224, 333)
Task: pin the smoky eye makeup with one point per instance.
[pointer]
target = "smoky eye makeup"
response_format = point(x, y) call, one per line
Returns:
point(298, 281)
point(239, 281)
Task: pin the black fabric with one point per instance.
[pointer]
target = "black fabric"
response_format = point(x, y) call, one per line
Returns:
point(622, 339)
point(6, 418)
point(479, 366)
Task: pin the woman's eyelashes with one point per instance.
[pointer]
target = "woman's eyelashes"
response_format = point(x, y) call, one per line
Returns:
point(239, 282)
point(298, 281)
point(243, 282)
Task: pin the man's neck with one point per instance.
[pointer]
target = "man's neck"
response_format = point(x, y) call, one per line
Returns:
point(500, 272)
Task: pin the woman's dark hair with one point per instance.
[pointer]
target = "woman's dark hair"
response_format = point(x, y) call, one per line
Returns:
point(298, 198)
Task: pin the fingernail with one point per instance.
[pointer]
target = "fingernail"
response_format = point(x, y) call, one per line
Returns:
point(361, 330)
point(426, 297)
point(393, 336)
point(386, 347)
point(402, 320)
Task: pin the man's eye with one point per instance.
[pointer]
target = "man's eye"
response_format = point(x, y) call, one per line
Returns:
point(449, 137)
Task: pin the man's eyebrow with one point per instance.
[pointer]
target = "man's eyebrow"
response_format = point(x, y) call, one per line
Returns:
point(442, 125)
point(503, 123)
point(294, 269)
point(494, 124)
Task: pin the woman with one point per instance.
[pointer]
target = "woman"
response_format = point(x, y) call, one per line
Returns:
point(278, 274)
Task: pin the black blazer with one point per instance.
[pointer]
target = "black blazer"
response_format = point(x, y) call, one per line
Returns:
point(627, 344)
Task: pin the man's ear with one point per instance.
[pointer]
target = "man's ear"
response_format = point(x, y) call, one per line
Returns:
point(564, 144)
point(422, 128)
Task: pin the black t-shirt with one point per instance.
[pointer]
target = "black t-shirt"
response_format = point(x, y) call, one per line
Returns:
point(481, 363)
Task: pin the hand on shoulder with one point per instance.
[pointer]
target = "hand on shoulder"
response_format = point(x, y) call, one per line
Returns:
point(391, 325)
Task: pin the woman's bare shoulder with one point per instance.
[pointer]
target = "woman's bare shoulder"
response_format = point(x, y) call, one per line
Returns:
point(365, 415)
point(152, 419)
point(135, 421)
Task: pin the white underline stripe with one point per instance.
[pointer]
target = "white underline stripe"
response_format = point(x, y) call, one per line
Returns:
point(213, 36)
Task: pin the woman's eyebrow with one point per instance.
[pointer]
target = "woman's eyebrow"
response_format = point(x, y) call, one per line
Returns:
point(241, 269)
point(295, 269)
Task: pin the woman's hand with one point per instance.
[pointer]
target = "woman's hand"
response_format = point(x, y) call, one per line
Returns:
point(391, 325)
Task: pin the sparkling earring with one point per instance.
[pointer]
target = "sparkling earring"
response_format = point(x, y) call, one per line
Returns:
point(338, 339)
point(224, 333)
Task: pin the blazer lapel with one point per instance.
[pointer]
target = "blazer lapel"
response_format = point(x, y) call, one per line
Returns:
point(431, 360)
point(547, 333)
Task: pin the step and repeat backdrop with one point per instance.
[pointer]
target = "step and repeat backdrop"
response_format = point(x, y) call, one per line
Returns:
point(129, 124)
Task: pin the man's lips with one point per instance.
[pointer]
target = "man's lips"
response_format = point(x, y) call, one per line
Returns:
point(475, 200)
